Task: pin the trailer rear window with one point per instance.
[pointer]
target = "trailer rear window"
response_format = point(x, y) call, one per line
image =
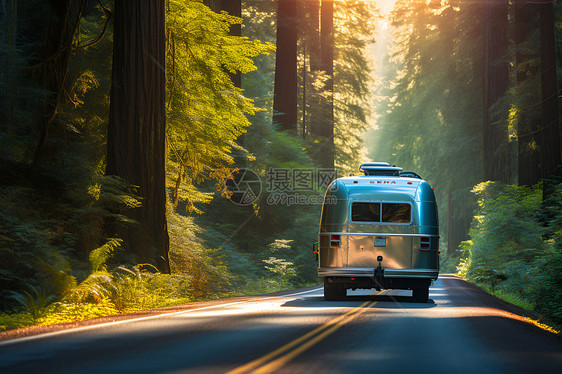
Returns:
point(396, 212)
point(381, 212)
point(366, 212)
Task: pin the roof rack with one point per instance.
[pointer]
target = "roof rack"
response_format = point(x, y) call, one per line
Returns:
point(380, 168)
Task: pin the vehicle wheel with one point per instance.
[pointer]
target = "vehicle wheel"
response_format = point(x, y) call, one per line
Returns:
point(330, 293)
point(421, 294)
point(333, 292)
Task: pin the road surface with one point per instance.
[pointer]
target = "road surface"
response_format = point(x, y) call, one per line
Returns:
point(460, 330)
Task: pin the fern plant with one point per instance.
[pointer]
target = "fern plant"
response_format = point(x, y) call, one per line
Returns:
point(34, 303)
point(100, 283)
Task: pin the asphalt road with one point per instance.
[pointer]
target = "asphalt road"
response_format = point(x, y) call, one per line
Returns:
point(460, 330)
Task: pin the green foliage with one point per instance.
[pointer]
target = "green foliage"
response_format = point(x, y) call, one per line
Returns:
point(141, 287)
point(281, 268)
point(243, 234)
point(123, 289)
point(99, 256)
point(204, 267)
point(505, 228)
point(549, 296)
point(205, 112)
point(99, 283)
point(509, 251)
point(52, 212)
point(35, 243)
point(33, 303)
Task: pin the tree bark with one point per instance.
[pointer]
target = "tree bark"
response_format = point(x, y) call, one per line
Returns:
point(528, 152)
point(234, 8)
point(311, 48)
point(214, 5)
point(326, 128)
point(550, 134)
point(58, 42)
point(313, 9)
point(496, 81)
point(285, 91)
point(136, 130)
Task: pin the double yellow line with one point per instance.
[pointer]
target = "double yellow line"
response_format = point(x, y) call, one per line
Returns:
point(276, 359)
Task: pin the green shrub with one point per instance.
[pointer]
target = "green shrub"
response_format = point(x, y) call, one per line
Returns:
point(513, 250)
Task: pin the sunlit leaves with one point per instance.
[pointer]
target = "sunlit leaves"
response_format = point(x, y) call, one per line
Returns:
point(206, 113)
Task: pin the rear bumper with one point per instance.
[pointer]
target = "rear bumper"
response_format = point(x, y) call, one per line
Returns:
point(368, 272)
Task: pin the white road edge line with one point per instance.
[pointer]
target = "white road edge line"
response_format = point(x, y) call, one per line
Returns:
point(107, 324)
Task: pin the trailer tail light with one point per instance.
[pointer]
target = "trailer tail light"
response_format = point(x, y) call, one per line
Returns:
point(335, 241)
point(424, 242)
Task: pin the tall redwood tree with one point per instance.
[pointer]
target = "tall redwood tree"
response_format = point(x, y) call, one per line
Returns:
point(63, 22)
point(550, 131)
point(525, 17)
point(285, 90)
point(234, 8)
point(326, 128)
point(136, 131)
point(496, 81)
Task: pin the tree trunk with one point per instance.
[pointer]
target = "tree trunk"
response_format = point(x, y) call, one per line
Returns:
point(58, 42)
point(313, 9)
point(311, 47)
point(528, 154)
point(136, 130)
point(215, 5)
point(304, 90)
point(326, 129)
point(496, 81)
point(234, 8)
point(550, 134)
point(285, 91)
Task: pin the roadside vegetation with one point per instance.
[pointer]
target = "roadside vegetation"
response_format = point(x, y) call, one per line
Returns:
point(129, 289)
point(515, 246)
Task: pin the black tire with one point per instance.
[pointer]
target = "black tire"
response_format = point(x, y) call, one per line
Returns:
point(333, 292)
point(330, 293)
point(421, 294)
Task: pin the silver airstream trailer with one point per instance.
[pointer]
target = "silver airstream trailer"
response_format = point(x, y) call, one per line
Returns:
point(379, 230)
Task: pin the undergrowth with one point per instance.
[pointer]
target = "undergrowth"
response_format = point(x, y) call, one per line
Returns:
point(515, 246)
point(198, 274)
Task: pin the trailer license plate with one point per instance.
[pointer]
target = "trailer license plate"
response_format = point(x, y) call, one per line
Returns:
point(380, 241)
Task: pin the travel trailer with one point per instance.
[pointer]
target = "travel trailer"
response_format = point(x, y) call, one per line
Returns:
point(379, 230)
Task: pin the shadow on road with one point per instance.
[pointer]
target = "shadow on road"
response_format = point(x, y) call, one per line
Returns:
point(351, 301)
